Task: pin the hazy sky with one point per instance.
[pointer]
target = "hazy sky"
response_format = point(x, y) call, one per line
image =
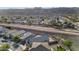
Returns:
point(39, 3)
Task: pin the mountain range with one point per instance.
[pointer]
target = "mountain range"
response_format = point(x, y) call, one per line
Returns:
point(40, 11)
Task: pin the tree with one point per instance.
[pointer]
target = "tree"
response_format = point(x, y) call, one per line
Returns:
point(18, 17)
point(69, 25)
point(16, 39)
point(4, 47)
point(73, 18)
point(29, 22)
point(56, 24)
point(4, 19)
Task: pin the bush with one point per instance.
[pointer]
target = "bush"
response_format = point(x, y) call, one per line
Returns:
point(67, 43)
point(4, 47)
point(60, 48)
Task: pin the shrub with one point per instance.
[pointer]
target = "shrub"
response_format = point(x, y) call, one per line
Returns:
point(60, 48)
point(4, 47)
point(67, 43)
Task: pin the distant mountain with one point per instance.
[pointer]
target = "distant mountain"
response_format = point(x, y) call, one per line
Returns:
point(39, 11)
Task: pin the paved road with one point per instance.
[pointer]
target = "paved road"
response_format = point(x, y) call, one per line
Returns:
point(40, 29)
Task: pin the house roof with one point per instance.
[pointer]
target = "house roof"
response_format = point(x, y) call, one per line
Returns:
point(2, 29)
point(40, 38)
point(40, 48)
point(36, 45)
point(16, 32)
point(26, 35)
